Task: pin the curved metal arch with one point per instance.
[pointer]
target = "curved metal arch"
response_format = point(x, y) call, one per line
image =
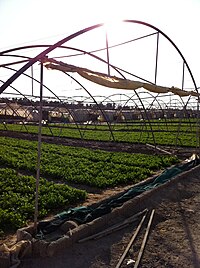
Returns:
point(169, 39)
point(66, 39)
point(95, 102)
point(180, 121)
point(135, 106)
point(112, 95)
point(184, 105)
point(148, 119)
point(14, 111)
point(149, 93)
point(85, 98)
point(155, 99)
point(51, 48)
point(136, 93)
point(15, 56)
point(166, 107)
point(52, 93)
point(130, 98)
point(109, 98)
point(44, 53)
point(65, 47)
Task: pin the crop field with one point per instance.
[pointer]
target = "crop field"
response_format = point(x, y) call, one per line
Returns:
point(164, 132)
point(62, 166)
point(17, 198)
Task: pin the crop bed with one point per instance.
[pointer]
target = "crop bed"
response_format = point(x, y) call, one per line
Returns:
point(181, 133)
point(17, 198)
point(62, 166)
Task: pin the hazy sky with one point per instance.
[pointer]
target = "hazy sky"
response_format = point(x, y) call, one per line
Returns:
point(26, 22)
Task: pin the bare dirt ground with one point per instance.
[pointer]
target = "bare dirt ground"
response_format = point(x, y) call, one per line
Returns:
point(181, 152)
point(174, 239)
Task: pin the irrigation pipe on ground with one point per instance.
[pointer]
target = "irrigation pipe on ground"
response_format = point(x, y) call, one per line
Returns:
point(144, 240)
point(131, 242)
point(114, 228)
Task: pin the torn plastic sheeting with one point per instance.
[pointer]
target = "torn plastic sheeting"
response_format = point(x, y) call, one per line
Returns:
point(113, 81)
point(86, 214)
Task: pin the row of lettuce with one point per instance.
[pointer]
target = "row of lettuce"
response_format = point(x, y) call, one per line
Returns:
point(163, 133)
point(62, 166)
point(17, 198)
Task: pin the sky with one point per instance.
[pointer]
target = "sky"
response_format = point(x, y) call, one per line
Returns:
point(26, 22)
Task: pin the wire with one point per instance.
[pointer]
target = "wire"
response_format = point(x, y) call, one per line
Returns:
point(101, 49)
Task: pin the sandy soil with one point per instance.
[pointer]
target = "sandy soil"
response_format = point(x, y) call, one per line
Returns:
point(174, 239)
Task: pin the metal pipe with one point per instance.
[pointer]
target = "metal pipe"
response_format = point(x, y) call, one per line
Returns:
point(32, 79)
point(43, 54)
point(156, 66)
point(183, 76)
point(39, 150)
point(107, 53)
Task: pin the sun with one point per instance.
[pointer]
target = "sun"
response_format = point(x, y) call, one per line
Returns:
point(111, 25)
point(110, 15)
point(113, 29)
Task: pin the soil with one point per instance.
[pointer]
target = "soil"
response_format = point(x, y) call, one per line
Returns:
point(181, 152)
point(173, 241)
point(174, 238)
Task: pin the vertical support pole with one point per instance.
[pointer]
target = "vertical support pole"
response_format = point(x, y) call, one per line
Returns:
point(156, 66)
point(183, 76)
point(39, 149)
point(155, 81)
point(107, 50)
point(184, 108)
point(32, 79)
point(198, 127)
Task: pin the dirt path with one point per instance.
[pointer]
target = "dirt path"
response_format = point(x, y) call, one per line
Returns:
point(181, 152)
point(174, 240)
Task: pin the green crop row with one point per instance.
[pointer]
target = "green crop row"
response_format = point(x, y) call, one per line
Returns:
point(17, 198)
point(64, 164)
point(79, 165)
point(169, 133)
